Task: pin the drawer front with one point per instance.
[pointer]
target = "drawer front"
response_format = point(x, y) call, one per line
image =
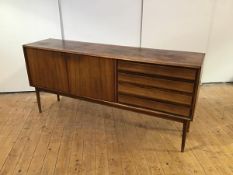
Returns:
point(150, 69)
point(154, 105)
point(154, 93)
point(156, 82)
point(161, 88)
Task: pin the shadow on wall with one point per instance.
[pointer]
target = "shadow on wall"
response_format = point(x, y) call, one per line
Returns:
point(19, 81)
point(231, 80)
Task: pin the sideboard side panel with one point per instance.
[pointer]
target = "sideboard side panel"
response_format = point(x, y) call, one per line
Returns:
point(195, 93)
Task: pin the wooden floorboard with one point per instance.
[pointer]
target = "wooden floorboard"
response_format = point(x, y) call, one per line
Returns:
point(78, 137)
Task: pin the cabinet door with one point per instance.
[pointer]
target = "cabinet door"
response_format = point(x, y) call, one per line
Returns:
point(91, 77)
point(47, 69)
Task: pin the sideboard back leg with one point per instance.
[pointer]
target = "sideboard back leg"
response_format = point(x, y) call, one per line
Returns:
point(38, 99)
point(58, 97)
point(184, 134)
point(188, 127)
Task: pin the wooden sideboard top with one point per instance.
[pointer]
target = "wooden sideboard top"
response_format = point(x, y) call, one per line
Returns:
point(145, 55)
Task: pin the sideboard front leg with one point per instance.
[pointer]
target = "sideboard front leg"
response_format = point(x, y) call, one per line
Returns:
point(184, 134)
point(38, 99)
point(58, 97)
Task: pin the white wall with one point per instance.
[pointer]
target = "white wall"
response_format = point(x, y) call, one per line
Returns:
point(177, 24)
point(23, 21)
point(102, 21)
point(191, 25)
point(218, 65)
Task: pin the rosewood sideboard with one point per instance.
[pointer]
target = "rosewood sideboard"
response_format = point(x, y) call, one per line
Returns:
point(160, 83)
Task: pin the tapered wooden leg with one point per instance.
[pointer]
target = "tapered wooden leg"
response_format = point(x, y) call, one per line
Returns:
point(58, 97)
point(184, 134)
point(188, 127)
point(38, 99)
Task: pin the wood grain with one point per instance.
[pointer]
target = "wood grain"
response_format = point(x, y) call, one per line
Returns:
point(91, 77)
point(113, 141)
point(154, 93)
point(154, 105)
point(156, 82)
point(150, 69)
point(155, 56)
point(47, 69)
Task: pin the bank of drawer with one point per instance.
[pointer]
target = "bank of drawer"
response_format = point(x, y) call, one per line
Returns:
point(156, 82)
point(154, 105)
point(159, 70)
point(154, 93)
